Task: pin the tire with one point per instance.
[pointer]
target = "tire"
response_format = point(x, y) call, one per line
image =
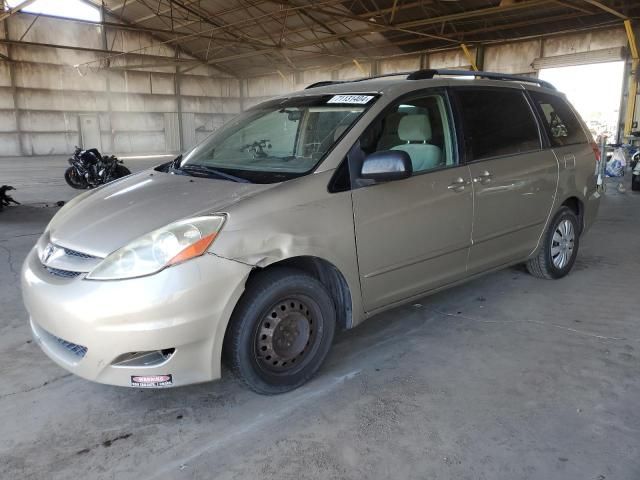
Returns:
point(281, 331)
point(560, 247)
point(121, 171)
point(74, 180)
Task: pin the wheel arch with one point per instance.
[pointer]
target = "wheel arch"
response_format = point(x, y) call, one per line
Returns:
point(327, 274)
point(577, 206)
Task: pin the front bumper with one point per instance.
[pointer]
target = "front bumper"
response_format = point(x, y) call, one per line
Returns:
point(85, 325)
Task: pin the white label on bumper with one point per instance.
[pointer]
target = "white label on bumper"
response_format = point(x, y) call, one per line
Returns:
point(151, 381)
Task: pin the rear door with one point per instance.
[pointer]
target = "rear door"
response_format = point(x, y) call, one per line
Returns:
point(514, 178)
point(412, 235)
point(569, 141)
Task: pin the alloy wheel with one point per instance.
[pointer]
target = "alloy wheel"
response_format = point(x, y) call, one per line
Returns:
point(562, 244)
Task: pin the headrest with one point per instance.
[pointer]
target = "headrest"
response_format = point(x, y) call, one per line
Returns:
point(414, 128)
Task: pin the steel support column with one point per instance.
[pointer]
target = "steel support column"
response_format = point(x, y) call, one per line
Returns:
point(176, 91)
point(633, 79)
point(12, 79)
point(105, 45)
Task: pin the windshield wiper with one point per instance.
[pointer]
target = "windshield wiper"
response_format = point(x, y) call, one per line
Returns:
point(212, 171)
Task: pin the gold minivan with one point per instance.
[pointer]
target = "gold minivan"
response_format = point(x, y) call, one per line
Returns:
point(307, 213)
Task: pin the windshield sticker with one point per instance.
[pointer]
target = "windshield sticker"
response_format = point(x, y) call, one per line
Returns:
point(351, 99)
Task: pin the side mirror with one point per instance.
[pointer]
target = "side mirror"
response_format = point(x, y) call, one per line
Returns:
point(386, 166)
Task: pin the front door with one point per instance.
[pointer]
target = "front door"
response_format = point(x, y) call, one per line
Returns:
point(413, 235)
point(514, 178)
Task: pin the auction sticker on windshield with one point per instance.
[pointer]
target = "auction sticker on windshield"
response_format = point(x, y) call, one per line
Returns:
point(351, 99)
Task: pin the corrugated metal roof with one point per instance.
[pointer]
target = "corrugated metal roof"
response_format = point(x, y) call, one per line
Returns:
point(251, 36)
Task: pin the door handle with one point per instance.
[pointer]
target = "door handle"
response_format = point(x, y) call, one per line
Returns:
point(457, 185)
point(484, 177)
point(569, 160)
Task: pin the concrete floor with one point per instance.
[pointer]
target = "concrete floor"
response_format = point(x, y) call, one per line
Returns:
point(507, 377)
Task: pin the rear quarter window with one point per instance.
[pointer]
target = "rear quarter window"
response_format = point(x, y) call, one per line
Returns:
point(496, 122)
point(560, 122)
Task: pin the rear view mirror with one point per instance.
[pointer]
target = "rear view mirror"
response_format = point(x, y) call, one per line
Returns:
point(386, 166)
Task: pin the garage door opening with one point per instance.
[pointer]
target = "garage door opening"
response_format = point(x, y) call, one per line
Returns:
point(595, 91)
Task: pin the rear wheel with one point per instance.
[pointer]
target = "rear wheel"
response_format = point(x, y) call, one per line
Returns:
point(560, 248)
point(120, 171)
point(281, 331)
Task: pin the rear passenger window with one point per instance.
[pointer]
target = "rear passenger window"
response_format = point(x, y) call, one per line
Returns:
point(496, 122)
point(562, 125)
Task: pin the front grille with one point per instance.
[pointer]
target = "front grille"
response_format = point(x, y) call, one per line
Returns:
point(78, 350)
point(61, 273)
point(75, 253)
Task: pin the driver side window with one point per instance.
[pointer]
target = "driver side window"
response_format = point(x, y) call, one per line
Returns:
point(419, 127)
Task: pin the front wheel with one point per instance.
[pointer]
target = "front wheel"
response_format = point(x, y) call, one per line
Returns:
point(281, 331)
point(74, 180)
point(560, 247)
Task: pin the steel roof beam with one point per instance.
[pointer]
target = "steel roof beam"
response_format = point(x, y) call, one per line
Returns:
point(16, 9)
point(606, 8)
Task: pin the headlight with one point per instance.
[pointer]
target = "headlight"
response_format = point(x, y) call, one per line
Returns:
point(42, 244)
point(175, 243)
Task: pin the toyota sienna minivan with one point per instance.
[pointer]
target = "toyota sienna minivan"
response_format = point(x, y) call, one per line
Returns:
point(305, 214)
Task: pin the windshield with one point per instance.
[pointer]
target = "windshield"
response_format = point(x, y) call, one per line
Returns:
point(277, 140)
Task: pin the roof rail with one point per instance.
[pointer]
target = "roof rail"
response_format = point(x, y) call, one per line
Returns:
point(323, 83)
point(430, 73)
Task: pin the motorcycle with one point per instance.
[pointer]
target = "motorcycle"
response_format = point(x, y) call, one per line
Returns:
point(5, 198)
point(90, 169)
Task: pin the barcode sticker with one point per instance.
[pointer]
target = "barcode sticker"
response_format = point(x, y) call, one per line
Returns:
point(351, 99)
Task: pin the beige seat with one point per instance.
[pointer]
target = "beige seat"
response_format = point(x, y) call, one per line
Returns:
point(416, 131)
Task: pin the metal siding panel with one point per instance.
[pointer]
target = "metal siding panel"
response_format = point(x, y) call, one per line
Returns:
point(189, 130)
point(172, 132)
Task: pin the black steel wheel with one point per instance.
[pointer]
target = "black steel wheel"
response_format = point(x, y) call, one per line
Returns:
point(281, 331)
point(286, 334)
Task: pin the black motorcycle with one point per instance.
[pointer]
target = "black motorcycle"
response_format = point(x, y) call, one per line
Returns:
point(5, 198)
point(90, 169)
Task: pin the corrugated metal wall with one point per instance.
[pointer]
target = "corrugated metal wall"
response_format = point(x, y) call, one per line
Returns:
point(521, 57)
point(42, 94)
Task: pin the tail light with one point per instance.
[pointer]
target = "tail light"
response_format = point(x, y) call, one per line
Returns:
point(596, 151)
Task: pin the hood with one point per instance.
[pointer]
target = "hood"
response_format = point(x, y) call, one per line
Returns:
point(114, 215)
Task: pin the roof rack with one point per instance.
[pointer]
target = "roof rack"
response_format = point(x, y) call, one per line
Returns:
point(323, 83)
point(430, 73)
point(426, 74)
